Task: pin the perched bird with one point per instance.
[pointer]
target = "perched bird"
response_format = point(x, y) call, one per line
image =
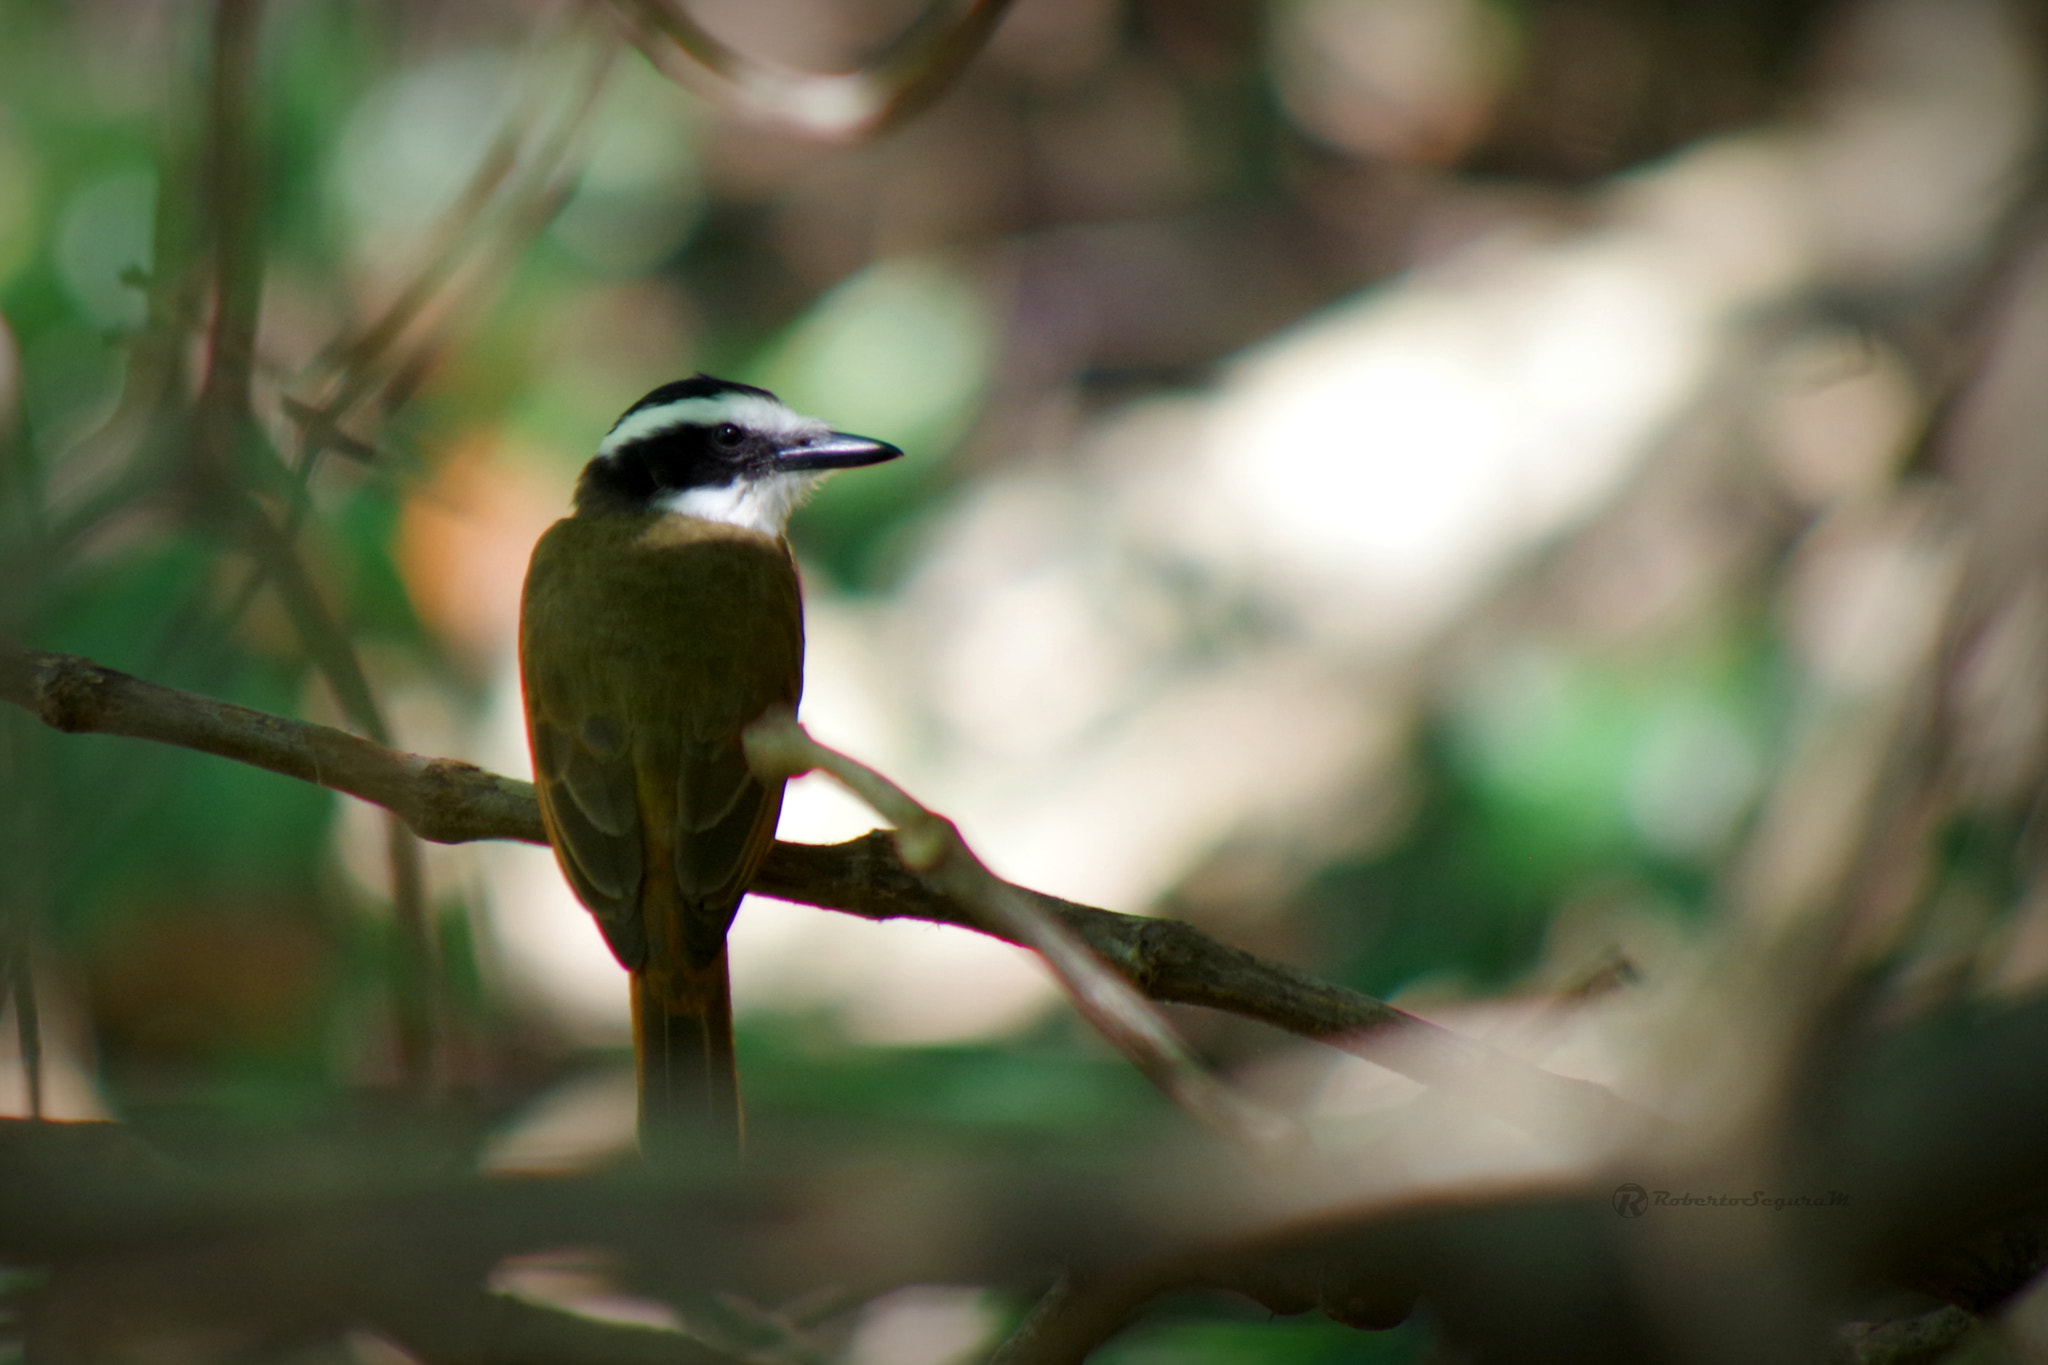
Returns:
point(659, 620)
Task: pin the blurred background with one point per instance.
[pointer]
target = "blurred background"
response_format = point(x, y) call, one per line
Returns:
point(1481, 499)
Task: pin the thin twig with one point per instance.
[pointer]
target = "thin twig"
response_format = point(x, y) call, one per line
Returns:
point(930, 846)
point(230, 183)
point(333, 653)
point(226, 429)
point(1173, 962)
point(363, 358)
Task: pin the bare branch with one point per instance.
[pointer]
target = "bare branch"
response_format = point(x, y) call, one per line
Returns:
point(930, 845)
point(511, 195)
point(448, 801)
point(1175, 963)
point(441, 799)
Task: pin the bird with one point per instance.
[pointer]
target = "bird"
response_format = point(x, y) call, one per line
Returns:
point(658, 620)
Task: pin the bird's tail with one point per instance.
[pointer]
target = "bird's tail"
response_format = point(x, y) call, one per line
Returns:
point(689, 1077)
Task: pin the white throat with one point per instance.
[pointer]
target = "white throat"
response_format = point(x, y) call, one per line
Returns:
point(760, 505)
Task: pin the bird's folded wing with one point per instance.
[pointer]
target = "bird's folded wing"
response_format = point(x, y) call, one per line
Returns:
point(724, 822)
point(583, 773)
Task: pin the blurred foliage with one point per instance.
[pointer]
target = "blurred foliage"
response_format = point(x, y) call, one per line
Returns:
point(1557, 777)
point(1114, 200)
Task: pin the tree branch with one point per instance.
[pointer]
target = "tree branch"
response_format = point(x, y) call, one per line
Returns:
point(449, 801)
point(443, 800)
point(929, 846)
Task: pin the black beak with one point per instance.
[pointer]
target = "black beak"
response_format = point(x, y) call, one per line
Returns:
point(834, 450)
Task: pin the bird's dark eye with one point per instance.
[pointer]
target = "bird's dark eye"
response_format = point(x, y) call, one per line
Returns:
point(728, 436)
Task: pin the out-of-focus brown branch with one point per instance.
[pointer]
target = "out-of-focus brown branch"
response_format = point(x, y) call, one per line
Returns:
point(244, 1258)
point(919, 67)
point(449, 801)
point(230, 175)
point(1917, 1132)
point(478, 1325)
point(328, 645)
point(226, 430)
point(227, 422)
point(408, 1253)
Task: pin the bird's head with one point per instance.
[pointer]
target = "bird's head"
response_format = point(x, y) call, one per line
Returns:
point(719, 450)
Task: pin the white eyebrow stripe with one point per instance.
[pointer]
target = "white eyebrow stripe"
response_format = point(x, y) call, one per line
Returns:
point(749, 410)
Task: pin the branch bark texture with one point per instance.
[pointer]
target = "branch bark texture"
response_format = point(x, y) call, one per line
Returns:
point(441, 799)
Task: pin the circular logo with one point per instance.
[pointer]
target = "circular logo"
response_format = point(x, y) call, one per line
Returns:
point(1631, 1201)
